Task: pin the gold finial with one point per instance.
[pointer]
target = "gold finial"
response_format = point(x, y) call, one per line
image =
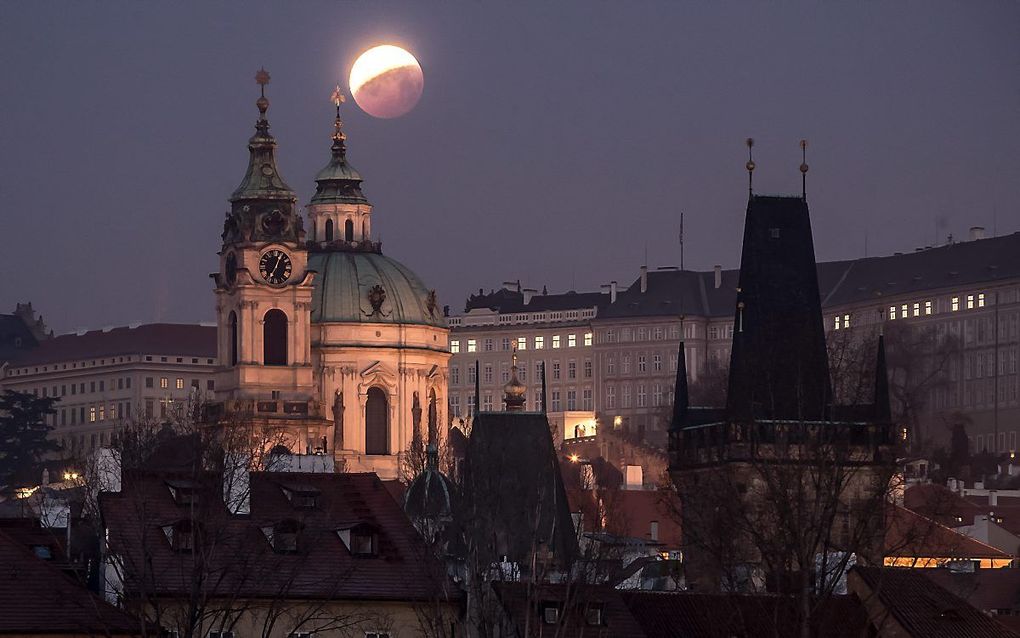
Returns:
point(262, 78)
point(750, 163)
point(338, 98)
point(803, 168)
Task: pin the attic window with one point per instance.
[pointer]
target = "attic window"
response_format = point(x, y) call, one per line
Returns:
point(593, 616)
point(301, 496)
point(360, 539)
point(550, 613)
point(184, 492)
point(283, 536)
point(42, 551)
point(180, 536)
point(774, 233)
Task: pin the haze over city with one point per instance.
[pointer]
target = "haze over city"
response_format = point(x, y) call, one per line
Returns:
point(552, 144)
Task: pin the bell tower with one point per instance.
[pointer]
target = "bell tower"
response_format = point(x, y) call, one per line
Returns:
point(264, 292)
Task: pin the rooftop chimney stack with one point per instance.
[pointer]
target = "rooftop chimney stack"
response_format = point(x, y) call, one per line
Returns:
point(644, 278)
point(977, 232)
point(612, 292)
point(528, 294)
point(718, 276)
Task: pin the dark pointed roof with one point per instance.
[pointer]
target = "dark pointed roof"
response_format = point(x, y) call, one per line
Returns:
point(262, 180)
point(681, 397)
point(515, 499)
point(430, 494)
point(779, 365)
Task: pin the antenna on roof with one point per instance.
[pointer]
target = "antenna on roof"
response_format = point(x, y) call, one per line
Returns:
point(681, 241)
point(749, 166)
point(803, 169)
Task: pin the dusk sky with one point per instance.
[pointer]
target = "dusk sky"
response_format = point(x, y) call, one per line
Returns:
point(555, 142)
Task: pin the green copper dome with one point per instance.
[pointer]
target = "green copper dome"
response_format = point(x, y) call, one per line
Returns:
point(368, 287)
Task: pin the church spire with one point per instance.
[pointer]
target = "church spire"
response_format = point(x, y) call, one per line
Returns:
point(514, 390)
point(262, 180)
point(338, 182)
point(681, 397)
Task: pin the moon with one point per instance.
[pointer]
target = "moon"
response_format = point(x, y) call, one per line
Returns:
point(386, 81)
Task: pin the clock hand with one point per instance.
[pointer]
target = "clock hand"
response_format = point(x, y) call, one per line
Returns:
point(279, 262)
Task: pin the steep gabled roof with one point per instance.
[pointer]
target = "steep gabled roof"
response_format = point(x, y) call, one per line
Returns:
point(39, 599)
point(908, 534)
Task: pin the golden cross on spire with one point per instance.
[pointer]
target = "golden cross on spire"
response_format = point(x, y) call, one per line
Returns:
point(262, 78)
point(338, 97)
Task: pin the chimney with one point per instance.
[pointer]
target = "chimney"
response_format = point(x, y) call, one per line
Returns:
point(509, 285)
point(644, 278)
point(718, 276)
point(528, 294)
point(977, 232)
point(632, 478)
point(993, 498)
point(612, 292)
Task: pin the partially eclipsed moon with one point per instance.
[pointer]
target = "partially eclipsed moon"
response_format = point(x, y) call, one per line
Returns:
point(386, 81)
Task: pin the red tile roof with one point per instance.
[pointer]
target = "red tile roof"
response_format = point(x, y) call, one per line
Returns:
point(244, 561)
point(39, 599)
point(177, 339)
point(908, 534)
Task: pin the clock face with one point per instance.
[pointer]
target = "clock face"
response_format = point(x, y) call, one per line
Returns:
point(231, 268)
point(275, 266)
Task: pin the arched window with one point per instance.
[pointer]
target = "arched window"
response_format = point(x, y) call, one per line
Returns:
point(233, 338)
point(349, 230)
point(433, 419)
point(274, 338)
point(377, 417)
point(329, 230)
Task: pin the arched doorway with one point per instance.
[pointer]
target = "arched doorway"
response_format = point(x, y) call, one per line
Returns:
point(377, 418)
point(274, 338)
point(349, 230)
point(233, 337)
point(433, 419)
point(329, 230)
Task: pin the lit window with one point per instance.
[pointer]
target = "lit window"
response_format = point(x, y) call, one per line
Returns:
point(970, 302)
point(892, 312)
point(92, 414)
point(163, 383)
point(522, 343)
point(981, 300)
point(472, 345)
point(917, 309)
point(836, 324)
point(180, 383)
point(539, 343)
point(571, 341)
point(956, 304)
point(587, 337)
point(846, 321)
point(927, 307)
point(455, 346)
point(556, 341)
point(903, 311)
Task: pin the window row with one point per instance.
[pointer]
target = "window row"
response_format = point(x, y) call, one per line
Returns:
point(521, 343)
point(660, 395)
point(102, 362)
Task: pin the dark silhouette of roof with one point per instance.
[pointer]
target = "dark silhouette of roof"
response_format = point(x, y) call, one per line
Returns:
point(779, 364)
point(505, 300)
point(179, 339)
point(247, 564)
point(515, 499)
point(16, 339)
point(921, 607)
point(38, 599)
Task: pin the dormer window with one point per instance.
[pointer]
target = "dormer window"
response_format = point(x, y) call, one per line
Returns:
point(184, 492)
point(360, 539)
point(303, 497)
point(180, 535)
point(283, 536)
point(550, 613)
point(593, 615)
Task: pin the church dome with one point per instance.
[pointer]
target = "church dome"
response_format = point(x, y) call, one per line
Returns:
point(430, 495)
point(368, 287)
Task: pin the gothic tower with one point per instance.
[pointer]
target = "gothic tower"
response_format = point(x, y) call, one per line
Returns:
point(263, 297)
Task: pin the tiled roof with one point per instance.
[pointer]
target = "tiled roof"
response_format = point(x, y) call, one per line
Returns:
point(986, 589)
point(693, 615)
point(154, 339)
point(246, 563)
point(924, 609)
point(40, 600)
point(908, 534)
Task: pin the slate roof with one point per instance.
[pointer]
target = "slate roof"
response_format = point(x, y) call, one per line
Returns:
point(15, 338)
point(38, 599)
point(177, 339)
point(692, 615)
point(986, 589)
point(671, 292)
point(923, 608)
point(246, 565)
point(514, 488)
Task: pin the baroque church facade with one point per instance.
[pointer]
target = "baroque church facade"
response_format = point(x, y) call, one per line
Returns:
point(321, 337)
